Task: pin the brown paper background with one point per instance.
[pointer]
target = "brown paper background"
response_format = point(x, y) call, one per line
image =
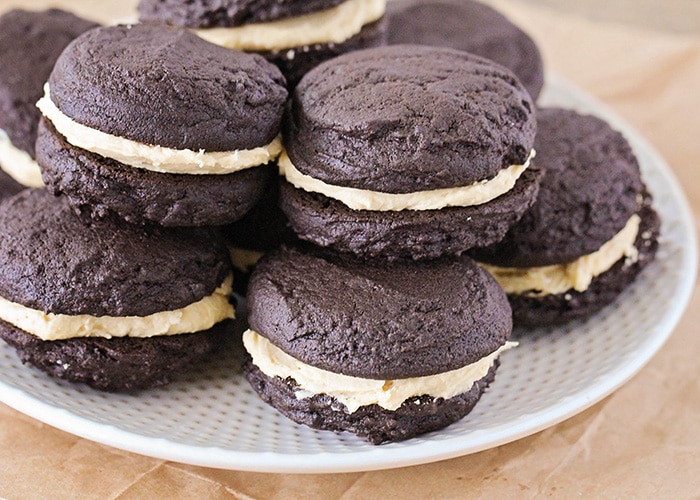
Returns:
point(642, 441)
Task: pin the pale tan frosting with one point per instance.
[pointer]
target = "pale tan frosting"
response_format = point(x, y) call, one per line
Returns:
point(360, 199)
point(155, 158)
point(576, 275)
point(355, 392)
point(18, 164)
point(196, 317)
point(243, 259)
point(334, 25)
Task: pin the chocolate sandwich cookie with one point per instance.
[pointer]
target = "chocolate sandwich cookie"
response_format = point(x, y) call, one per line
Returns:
point(399, 349)
point(117, 306)
point(590, 232)
point(470, 26)
point(30, 43)
point(156, 124)
point(296, 35)
point(408, 151)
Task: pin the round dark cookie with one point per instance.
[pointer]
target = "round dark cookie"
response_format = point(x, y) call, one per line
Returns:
point(470, 26)
point(54, 261)
point(138, 82)
point(8, 186)
point(226, 13)
point(417, 234)
point(376, 319)
point(590, 189)
point(403, 118)
point(117, 364)
point(30, 43)
point(603, 290)
point(295, 62)
point(101, 185)
point(415, 416)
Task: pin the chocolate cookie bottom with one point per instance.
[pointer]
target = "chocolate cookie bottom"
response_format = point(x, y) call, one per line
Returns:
point(117, 364)
point(417, 234)
point(102, 185)
point(415, 416)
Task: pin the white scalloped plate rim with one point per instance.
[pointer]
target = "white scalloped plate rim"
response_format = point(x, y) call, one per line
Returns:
point(456, 440)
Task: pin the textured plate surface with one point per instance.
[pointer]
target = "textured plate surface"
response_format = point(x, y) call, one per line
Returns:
point(213, 418)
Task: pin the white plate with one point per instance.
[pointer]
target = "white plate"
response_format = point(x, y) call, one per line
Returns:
point(212, 418)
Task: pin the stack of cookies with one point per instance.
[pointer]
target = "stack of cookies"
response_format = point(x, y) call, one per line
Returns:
point(120, 281)
point(396, 166)
point(397, 160)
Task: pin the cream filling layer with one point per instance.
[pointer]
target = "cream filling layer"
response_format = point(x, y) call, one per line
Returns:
point(334, 25)
point(355, 392)
point(196, 317)
point(155, 158)
point(18, 164)
point(576, 275)
point(243, 259)
point(360, 199)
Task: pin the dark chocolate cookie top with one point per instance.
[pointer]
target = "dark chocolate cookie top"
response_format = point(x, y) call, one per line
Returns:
point(226, 13)
point(168, 87)
point(408, 118)
point(470, 26)
point(30, 43)
point(377, 320)
point(591, 187)
point(55, 261)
